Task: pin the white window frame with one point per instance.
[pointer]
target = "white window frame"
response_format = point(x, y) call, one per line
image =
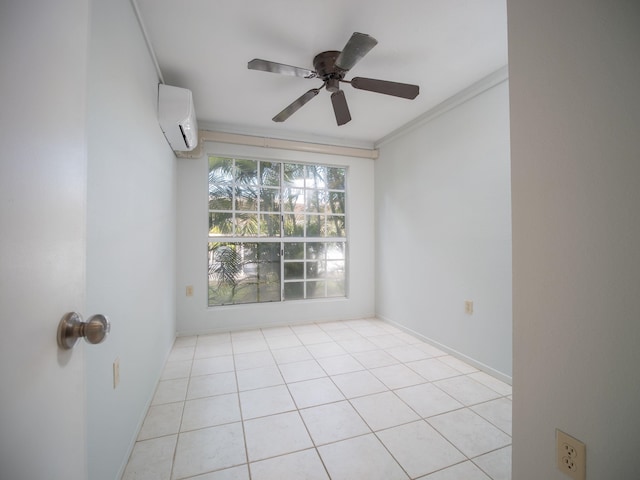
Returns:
point(282, 239)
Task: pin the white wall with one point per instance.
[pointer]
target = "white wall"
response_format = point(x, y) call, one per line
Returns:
point(575, 124)
point(193, 314)
point(443, 230)
point(130, 233)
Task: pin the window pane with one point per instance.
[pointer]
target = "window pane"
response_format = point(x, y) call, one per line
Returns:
point(294, 251)
point(315, 224)
point(315, 250)
point(294, 271)
point(269, 200)
point(246, 172)
point(336, 202)
point(293, 199)
point(316, 176)
point(316, 290)
point(335, 269)
point(246, 224)
point(270, 225)
point(293, 290)
point(315, 270)
point(243, 273)
point(220, 183)
point(293, 225)
point(270, 174)
point(220, 170)
point(225, 269)
point(247, 197)
point(220, 223)
point(317, 201)
point(335, 178)
point(334, 227)
point(220, 202)
point(294, 174)
point(268, 272)
point(334, 251)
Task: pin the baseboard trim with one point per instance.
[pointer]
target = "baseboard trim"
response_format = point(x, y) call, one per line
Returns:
point(453, 352)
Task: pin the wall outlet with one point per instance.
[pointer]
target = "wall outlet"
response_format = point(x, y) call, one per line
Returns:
point(571, 456)
point(468, 307)
point(116, 372)
point(189, 291)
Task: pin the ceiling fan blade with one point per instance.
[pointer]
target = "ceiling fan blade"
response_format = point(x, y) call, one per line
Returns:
point(357, 47)
point(273, 67)
point(340, 107)
point(403, 90)
point(296, 105)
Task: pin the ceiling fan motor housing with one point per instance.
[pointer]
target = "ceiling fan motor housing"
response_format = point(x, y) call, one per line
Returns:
point(325, 66)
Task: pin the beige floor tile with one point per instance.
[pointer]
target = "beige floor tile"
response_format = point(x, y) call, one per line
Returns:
point(151, 459)
point(299, 371)
point(315, 392)
point(360, 458)
point(428, 400)
point(209, 385)
point(461, 471)
point(333, 422)
point(161, 420)
point(210, 411)
point(300, 465)
point(497, 463)
point(309, 398)
point(466, 390)
point(419, 448)
point(339, 364)
point(469, 432)
point(266, 401)
point(357, 384)
point(259, 378)
point(275, 435)
point(384, 410)
point(207, 449)
point(498, 412)
point(170, 391)
point(397, 376)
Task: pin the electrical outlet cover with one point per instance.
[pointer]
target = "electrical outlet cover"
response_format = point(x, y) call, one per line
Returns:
point(571, 456)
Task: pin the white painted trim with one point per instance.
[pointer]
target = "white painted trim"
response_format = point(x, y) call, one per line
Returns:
point(454, 353)
point(284, 134)
point(266, 142)
point(143, 29)
point(496, 78)
point(143, 414)
point(261, 325)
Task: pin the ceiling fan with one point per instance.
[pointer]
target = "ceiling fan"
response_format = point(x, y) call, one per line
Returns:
point(331, 67)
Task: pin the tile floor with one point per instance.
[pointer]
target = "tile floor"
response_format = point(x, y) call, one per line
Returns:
point(341, 400)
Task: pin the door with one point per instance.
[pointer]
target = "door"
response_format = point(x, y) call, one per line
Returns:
point(43, 50)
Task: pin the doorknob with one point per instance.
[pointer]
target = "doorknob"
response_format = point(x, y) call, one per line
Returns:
point(71, 328)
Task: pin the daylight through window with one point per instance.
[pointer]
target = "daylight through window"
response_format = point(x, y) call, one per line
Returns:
point(277, 231)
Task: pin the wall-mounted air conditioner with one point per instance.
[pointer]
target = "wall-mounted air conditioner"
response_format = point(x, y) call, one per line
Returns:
point(177, 117)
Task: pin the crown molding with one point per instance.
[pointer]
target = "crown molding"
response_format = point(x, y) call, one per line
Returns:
point(496, 78)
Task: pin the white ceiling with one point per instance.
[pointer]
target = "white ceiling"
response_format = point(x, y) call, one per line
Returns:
point(444, 46)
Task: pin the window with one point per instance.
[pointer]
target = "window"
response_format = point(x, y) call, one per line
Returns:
point(277, 231)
